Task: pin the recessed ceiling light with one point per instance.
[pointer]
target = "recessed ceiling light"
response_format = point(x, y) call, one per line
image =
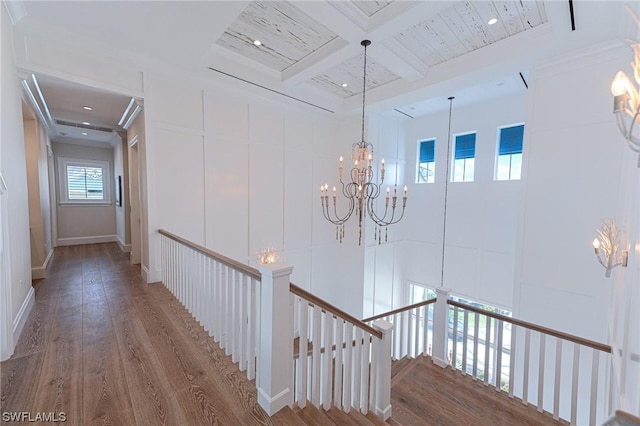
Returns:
point(85, 133)
point(492, 21)
point(344, 84)
point(257, 42)
point(88, 108)
point(86, 123)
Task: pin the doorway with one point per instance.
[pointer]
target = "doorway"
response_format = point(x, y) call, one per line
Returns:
point(135, 215)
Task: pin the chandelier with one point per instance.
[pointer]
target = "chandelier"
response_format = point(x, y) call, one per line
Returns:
point(626, 102)
point(359, 188)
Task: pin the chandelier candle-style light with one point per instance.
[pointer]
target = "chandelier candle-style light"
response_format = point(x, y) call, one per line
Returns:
point(606, 246)
point(360, 190)
point(626, 101)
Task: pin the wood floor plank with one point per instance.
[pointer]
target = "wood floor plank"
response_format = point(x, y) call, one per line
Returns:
point(148, 386)
point(18, 394)
point(59, 388)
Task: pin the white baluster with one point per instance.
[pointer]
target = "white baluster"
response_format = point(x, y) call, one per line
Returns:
point(243, 322)
point(337, 392)
point(348, 363)
point(410, 333)
point(476, 338)
point(525, 370)
point(487, 348)
point(425, 329)
point(594, 386)
point(512, 361)
point(327, 373)
point(373, 371)
point(541, 373)
point(556, 382)
point(574, 384)
point(251, 324)
point(301, 376)
point(465, 338)
point(498, 352)
point(454, 335)
point(317, 343)
point(364, 373)
point(357, 370)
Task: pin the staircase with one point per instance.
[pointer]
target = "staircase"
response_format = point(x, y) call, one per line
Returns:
point(424, 394)
point(311, 415)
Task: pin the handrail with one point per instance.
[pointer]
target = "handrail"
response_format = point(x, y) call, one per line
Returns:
point(253, 272)
point(315, 300)
point(396, 311)
point(586, 342)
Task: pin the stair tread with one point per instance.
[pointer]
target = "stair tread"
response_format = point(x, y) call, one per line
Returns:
point(287, 417)
point(314, 416)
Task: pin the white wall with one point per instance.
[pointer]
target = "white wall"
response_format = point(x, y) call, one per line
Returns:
point(36, 151)
point(579, 171)
point(481, 215)
point(571, 182)
point(81, 224)
point(16, 292)
point(247, 173)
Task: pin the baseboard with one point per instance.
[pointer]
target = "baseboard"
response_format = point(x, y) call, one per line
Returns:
point(124, 247)
point(439, 362)
point(20, 319)
point(145, 273)
point(40, 272)
point(87, 240)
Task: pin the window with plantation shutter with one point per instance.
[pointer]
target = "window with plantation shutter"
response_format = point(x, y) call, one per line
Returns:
point(84, 182)
point(464, 158)
point(426, 161)
point(509, 158)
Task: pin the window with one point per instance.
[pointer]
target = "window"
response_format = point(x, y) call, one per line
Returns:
point(509, 161)
point(84, 181)
point(426, 161)
point(464, 158)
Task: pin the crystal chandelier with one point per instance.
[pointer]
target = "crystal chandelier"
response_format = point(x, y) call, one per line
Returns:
point(359, 188)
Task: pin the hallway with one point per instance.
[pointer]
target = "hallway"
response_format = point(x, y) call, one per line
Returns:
point(102, 348)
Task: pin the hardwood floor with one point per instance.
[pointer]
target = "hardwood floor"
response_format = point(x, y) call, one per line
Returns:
point(102, 347)
point(425, 394)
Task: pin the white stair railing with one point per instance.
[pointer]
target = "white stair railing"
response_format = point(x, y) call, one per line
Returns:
point(556, 372)
point(340, 361)
point(412, 334)
point(222, 295)
point(253, 315)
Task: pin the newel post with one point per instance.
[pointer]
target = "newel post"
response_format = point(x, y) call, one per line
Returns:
point(275, 353)
point(383, 373)
point(439, 351)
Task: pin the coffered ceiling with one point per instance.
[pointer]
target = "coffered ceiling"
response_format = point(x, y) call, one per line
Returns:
point(310, 50)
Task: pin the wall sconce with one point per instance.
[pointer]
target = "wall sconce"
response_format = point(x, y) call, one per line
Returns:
point(606, 246)
point(626, 99)
point(267, 256)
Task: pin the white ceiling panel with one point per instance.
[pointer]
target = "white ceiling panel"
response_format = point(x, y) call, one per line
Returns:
point(370, 8)
point(463, 28)
point(351, 73)
point(287, 34)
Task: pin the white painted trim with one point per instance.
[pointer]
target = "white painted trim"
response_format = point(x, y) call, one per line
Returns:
point(439, 362)
point(124, 247)
point(40, 272)
point(385, 413)
point(20, 319)
point(16, 10)
point(87, 240)
point(275, 404)
point(145, 273)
